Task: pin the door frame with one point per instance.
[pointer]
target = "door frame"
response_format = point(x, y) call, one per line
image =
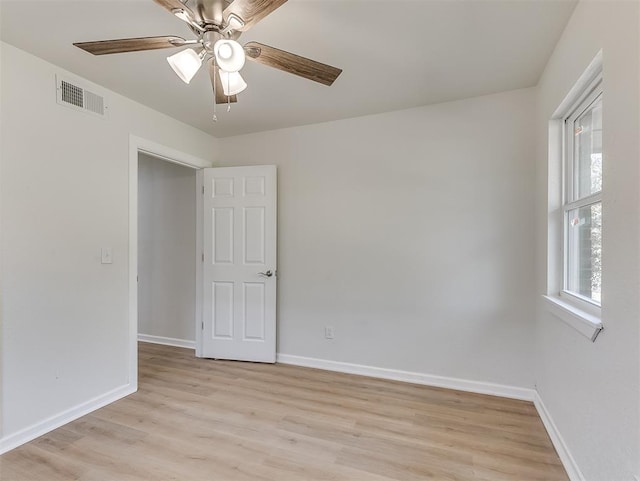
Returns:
point(139, 145)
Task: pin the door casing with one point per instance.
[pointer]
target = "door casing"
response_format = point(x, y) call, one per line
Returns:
point(140, 145)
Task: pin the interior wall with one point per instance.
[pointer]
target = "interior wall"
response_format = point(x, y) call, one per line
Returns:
point(64, 186)
point(166, 249)
point(411, 234)
point(592, 390)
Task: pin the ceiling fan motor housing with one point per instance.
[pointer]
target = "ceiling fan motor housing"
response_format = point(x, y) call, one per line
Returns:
point(209, 39)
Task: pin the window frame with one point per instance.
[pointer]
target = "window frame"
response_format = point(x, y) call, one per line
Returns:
point(582, 316)
point(583, 102)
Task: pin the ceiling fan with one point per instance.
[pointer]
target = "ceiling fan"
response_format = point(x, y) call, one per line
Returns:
point(218, 24)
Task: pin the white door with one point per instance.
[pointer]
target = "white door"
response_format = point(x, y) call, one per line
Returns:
point(239, 275)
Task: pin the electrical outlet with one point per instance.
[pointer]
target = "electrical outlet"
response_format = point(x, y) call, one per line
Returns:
point(328, 332)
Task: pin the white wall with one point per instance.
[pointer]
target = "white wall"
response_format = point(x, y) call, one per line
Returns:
point(592, 390)
point(65, 335)
point(411, 233)
point(167, 249)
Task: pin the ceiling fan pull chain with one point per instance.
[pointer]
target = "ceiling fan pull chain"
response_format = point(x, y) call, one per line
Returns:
point(228, 97)
point(215, 94)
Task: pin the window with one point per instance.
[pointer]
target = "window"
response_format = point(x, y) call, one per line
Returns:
point(574, 222)
point(582, 203)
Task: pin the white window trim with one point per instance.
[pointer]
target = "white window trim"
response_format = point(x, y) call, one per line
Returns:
point(582, 315)
point(585, 323)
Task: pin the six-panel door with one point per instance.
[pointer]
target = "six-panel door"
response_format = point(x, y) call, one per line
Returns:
point(239, 312)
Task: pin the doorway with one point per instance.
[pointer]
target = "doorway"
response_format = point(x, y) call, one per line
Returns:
point(137, 147)
point(255, 309)
point(166, 252)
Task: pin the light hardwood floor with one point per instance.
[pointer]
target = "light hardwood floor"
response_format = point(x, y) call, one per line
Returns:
point(196, 419)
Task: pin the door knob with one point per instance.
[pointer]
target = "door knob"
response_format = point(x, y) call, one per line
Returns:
point(265, 274)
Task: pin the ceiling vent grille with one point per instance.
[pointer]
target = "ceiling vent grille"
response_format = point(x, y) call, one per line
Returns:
point(71, 94)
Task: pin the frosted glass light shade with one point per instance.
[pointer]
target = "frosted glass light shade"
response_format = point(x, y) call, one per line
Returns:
point(185, 64)
point(229, 55)
point(232, 83)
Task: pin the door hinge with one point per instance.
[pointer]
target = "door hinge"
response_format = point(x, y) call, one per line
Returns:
point(203, 190)
point(203, 257)
point(202, 325)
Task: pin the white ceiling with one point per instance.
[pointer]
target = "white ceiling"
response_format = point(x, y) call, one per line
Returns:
point(395, 54)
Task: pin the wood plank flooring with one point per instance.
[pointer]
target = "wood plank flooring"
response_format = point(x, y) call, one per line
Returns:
point(202, 420)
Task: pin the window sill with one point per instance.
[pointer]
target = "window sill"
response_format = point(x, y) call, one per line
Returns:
point(586, 324)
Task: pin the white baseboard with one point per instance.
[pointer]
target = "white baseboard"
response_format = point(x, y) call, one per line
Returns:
point(32, 432)
point(167, 341)
point(412, 377)
point(570, 465)
point(573, 471)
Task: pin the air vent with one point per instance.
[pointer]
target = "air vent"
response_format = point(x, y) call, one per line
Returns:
point(93, 102)
point(71, 93)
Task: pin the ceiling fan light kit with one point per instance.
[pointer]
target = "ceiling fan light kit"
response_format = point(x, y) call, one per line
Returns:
point(229, 55)
point(218, 24)
point(186, 63)
point(232, 83)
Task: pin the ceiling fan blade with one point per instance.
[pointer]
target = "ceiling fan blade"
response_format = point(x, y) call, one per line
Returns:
point(289, 62)
point(121, 45)
point(251, 11)
point(221, 98)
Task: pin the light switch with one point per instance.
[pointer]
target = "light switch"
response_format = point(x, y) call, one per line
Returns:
point(106, 255)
